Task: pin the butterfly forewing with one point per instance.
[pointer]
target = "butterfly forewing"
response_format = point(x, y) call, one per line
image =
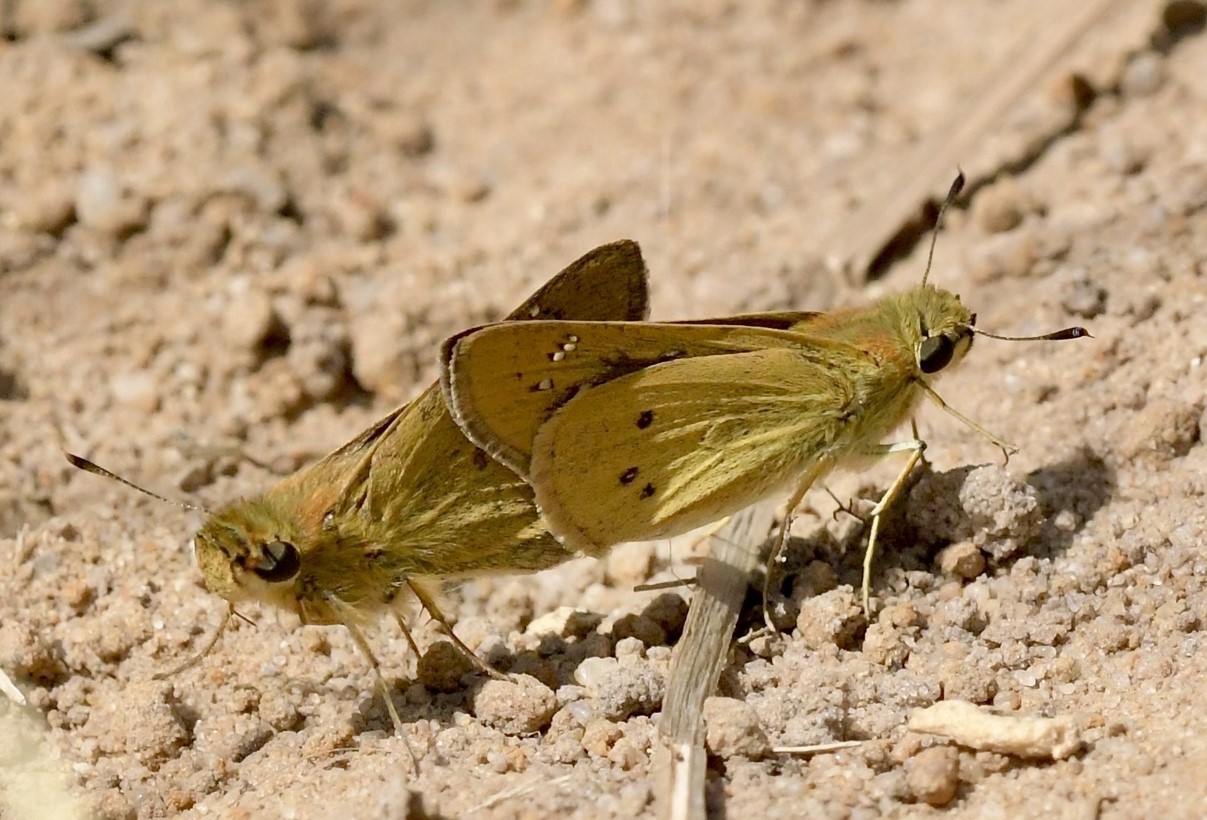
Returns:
point(504, 381)
point(457, 511)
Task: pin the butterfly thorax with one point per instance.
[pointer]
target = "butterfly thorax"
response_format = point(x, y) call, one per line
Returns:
point(906, 340)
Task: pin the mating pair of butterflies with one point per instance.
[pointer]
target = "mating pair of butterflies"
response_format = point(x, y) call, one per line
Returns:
point(574, 426)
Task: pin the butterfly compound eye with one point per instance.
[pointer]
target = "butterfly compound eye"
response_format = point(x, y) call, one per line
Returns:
point(280, 562)
point(935, 353)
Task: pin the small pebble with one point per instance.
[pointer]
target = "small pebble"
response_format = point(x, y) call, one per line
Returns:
point(933, 775)
point(1164, 429)
point(885, 645)
point(104, 204)
point(382, 356)
point(630, 564)
point(833, 618)
point(442, 667)
point(1143, 74)
point(961, 679)
point(668, 611)
point(962, 560)
point(414, 136)
point(1082, 296)
point(599, 735)
point(985, 506)
point(621, 691)
point(518, 705)
point(640, 628)
point(733, 730)
point(48, 209)
point(564, 622)
point(250, 321)
point(1002, 206)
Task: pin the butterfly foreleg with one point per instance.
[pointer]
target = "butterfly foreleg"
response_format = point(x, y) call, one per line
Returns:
point(348, 616)
point(915, 447)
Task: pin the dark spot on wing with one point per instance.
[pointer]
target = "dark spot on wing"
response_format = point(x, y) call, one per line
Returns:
point(645, 419)
point(621, 364)
point(647, 491)
point(481, 460)
point(628, 475)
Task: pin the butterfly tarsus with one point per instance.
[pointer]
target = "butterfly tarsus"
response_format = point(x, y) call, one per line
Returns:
point(406, 633)
point(1006, 448)
point(844, 507)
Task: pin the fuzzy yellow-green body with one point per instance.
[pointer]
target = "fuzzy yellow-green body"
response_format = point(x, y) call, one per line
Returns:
point(422, 507)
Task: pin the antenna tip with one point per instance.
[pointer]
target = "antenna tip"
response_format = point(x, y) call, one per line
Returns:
point(957, 184)
point(78, 462)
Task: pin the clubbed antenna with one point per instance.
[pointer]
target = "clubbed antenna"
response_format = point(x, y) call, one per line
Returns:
point(1054, 336)
point(81, 463)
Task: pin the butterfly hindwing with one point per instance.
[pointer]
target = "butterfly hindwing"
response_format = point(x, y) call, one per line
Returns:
point(609, 283)
point(677, 445)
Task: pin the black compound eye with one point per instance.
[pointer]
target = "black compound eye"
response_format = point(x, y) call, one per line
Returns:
point(935, 353)
point(279, 562)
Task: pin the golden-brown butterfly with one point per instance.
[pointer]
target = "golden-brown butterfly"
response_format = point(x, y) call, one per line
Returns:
point(408, 502)
point(637, 431)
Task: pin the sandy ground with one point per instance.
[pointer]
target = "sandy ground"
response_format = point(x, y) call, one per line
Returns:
point(235, 228)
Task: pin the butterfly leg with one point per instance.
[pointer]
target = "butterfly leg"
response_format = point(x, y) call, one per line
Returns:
point(358, 637)
point(781, 541)
point(915, 448)
point(844, 507)
point(406, 633)
point(913, 429)
point(428, 601)
point(1007, 449)
point(205, 650)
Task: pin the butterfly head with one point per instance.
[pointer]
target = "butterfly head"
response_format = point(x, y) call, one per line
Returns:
point(246, 553)
point(937, 327)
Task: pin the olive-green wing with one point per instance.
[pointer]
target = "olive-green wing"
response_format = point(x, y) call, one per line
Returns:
point(680, 444)
point(503, 381)
point(609, 283)
point(435, 500)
